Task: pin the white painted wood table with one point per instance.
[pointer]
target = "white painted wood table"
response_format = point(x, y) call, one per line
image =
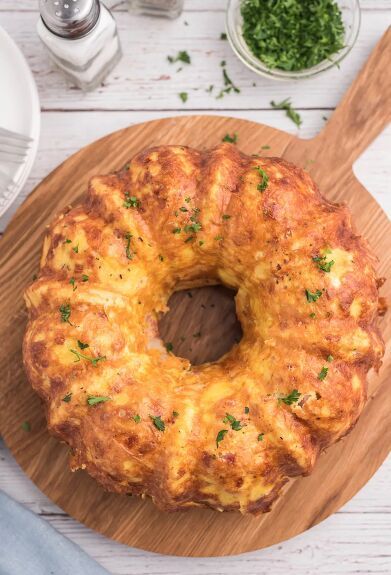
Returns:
point(144, 86)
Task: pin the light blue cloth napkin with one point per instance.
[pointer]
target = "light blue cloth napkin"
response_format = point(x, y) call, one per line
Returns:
point(30, 546)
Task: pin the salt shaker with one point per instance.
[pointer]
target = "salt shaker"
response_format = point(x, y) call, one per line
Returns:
point(167, 8)
point(81, 37)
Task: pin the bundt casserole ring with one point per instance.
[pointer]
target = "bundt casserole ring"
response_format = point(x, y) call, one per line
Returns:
point(227, 434)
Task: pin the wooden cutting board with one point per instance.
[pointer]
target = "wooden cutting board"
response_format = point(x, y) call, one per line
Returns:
point(340, 472)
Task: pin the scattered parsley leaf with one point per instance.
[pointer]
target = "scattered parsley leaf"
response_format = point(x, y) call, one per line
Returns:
point(158, 422)
point(136, 418)
point(183, 96)
point(246, 410)
point(329, 358)
point(93, 360)
point(182, 56)
point(85, 278)
point(176, 231)
point(130, 201)
point(260, 437)
point(220, 436)
point(235, 424)
point(265, 147)
point(67, 241)
point(323, 265)
point(312, 315)
point(265, 179)
point(76, 249)
point(94, 399)
point(67, 398)
point(231, 139)
point(292, 397)
point(226, 216)
point(82, 345)
point(323, 373)
point(65, 312)
point(169, 347)
point(312, 296)
point(223, 36)
point(26, 426)
point(72, 282)
point(175, 414)
point(289, 111)
point(161, 258)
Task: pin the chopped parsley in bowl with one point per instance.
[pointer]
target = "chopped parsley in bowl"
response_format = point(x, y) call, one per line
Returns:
point(287, 39)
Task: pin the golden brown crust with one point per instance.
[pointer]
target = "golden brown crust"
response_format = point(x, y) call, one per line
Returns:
point(179, 217)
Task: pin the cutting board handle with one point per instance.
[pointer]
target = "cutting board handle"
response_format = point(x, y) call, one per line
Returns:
point(362, 114)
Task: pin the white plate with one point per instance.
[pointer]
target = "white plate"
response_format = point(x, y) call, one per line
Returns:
point(19, 111)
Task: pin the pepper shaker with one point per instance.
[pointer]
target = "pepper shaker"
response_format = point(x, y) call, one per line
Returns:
point(81, 38)
point(166, 8)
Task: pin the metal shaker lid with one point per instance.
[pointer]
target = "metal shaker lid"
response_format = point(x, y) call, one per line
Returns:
point(69, 18)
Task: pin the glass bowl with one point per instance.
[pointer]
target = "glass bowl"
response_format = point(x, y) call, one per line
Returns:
point(351, 15)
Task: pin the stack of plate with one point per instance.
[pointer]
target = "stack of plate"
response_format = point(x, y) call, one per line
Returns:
point(19, 112)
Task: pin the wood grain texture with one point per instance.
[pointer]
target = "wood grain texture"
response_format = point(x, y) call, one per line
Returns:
point(339, 473)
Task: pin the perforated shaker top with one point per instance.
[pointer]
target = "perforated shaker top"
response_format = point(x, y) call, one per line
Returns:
point(69, 18)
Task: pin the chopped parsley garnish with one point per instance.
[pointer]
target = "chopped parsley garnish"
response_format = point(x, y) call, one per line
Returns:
point(161, 258)
point(210, 89)
point(65, 312)
point(136, 418)
point(323, 265)
point(231, 139)
point(260, 436)
point(129, 254)
point(223, 36)
point(67, 398)
point(76, 249)
point(229, 85)
point(329, 358)
point(292, 397)
point(187, 199)
point(176, 231)
point(183, 96)
point(94, 399)
point(235, 424)
point(312, 296)
point(67, 241)
point(82, 345)
point(220, 436)
point(265, 179)
point(85, 278)
point(265, 147)
point(175, 414)
point(94, 360)
point(130, 201)
point(246, 410)
point(26, 426)
point(219, 238)
point(182, 56)
point(323, 373)
point(158, 422)
point(183, 209)
point(72, 282)
point(312, 315)
point(201, 243)
point(226, 216)
point(289, 111)
point(195, 227)
point(169, 347)
point(292, 35)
